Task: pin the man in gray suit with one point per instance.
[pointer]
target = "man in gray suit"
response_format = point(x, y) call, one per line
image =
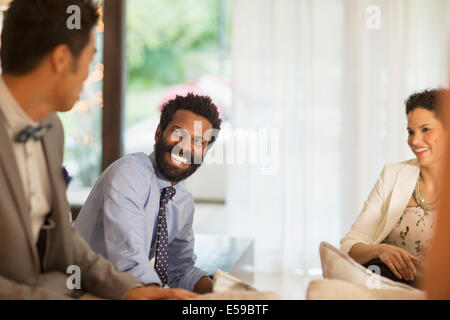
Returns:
point(44, 64)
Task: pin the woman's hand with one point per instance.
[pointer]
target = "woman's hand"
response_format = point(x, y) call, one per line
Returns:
point(398, 260)
point(156, 293)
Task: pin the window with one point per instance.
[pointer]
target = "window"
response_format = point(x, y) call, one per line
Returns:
point(173, 47)
point(3, 7)
point(83, 129)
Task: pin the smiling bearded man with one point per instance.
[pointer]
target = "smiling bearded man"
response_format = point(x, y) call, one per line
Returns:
point(138, 211)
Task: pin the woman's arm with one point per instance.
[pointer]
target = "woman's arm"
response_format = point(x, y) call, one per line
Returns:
point(363, 253)
point(398, 260)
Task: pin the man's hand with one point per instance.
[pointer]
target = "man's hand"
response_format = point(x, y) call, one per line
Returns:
point(204, 285)
point(153, 292)
point(399, 261)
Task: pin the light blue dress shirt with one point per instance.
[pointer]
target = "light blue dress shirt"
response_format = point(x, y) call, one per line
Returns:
point(119, 221)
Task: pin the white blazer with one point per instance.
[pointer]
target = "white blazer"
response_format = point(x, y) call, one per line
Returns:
point(384, 207)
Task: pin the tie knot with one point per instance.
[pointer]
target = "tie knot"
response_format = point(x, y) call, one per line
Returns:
point(32, 132)
point(167, 193)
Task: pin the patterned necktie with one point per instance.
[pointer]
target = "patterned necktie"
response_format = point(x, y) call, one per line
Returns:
point(162, 257)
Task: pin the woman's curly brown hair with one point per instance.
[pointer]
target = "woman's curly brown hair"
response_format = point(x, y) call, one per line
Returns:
point(430, 99)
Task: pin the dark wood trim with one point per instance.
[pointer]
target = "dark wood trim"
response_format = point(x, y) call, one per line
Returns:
point(113, 81)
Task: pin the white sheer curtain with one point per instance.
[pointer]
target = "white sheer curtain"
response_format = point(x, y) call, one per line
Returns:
point(334, 90)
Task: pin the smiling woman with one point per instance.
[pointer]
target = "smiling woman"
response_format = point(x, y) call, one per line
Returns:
point(395, 228)
point(425, 127)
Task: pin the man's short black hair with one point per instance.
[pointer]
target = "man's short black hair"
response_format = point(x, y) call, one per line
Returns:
point(33, 28)
point(200, 105)
point(430, 99)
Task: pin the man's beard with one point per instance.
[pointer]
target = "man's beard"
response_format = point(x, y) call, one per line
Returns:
point(170, 171)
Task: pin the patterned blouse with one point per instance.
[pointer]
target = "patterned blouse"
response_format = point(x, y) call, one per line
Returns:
point(413, 231)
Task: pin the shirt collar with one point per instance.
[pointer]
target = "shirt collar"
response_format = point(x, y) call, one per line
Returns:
point(162, 180)
point(15, 116)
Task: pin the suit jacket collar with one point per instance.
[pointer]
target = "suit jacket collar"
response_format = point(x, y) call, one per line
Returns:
point(8, 162)
point(401, 194)
point(9, 166)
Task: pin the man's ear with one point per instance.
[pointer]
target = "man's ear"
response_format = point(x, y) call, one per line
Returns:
point(158, 133)
point(60, 58)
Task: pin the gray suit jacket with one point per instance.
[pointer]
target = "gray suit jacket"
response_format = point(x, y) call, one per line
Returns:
point(20, 273)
